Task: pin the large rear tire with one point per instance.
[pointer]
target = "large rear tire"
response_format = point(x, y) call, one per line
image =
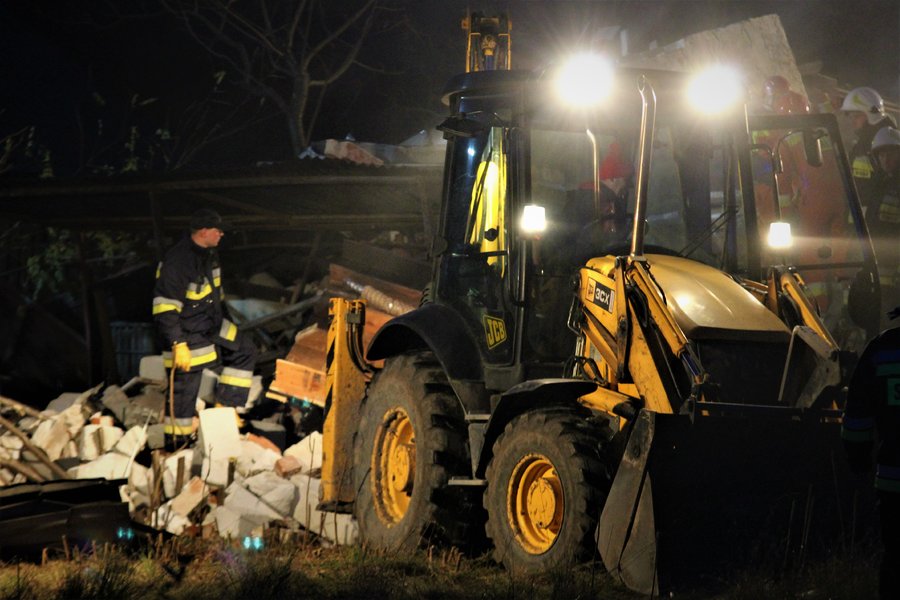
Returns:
point(546, 488)
point(411, 440)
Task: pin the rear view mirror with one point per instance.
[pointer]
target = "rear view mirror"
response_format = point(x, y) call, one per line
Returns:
point(812, 147)
point(461, 126)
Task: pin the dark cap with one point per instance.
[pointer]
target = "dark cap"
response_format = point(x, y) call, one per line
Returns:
point(207, 218)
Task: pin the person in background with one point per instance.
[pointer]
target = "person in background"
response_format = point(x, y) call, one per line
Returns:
point(872, 420)
point(190, 314)
point(883, 217)
point(865, 109)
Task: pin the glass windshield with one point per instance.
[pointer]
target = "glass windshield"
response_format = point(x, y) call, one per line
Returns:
point(791, 187)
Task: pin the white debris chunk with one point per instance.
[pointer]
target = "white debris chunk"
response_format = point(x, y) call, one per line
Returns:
point(190, 497)
point(277, 493)
point(132, 442)
point(339, 528)
point(51, 437)
point(140, 479)
point(308, 452)
point(170, 520)
point(248, 505)
point(109, 466)
point(152, 367)
point(97, 439)
point(220, 442)
point(170, 471)
point(231, 524)
point(62, 403)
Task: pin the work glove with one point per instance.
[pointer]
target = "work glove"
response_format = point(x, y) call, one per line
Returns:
point(181, 356)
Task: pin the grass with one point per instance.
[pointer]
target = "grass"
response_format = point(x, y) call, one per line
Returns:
point(192, 569)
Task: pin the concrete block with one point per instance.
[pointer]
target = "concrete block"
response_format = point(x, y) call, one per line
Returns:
point(110, 466)
point(231, 524)
point(308, 452)
point(70, 450)
point(116, 402)
point(220, 443)
point(156, 436)
point(339, 528)
point(219, 437)
point(152, 367)
point(215, 471)
point(170, 471)
point(74, 419)
point(64, 401)
point(132, 442)
point(146, 407)
point(97, 439)
point(51, 437)
point(255, 458)
point(171, 521)
point(11, 442)
point(287, 466)
point(140, 480)
point(193, 494)
point(277, 493)
point(245, 503)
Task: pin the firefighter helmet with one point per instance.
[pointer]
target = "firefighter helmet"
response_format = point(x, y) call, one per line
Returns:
point(865, 100)
point(886, 138)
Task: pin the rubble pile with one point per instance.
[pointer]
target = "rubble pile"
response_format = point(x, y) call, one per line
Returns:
point(221, 482)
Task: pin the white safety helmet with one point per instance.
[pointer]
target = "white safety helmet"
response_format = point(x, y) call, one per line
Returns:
point(865, 100)
point(886, 136)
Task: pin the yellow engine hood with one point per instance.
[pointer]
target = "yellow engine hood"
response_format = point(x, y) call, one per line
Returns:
point(708, 304)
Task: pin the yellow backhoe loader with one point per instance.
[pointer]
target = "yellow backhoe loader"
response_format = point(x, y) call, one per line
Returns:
point(629, 364)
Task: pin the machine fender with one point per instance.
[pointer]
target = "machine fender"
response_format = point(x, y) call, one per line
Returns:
point(431, 326)
point(526, 396)
point(441, 330)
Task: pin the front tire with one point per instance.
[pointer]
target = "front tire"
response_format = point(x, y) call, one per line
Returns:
point(546, 488)
point(411, 440)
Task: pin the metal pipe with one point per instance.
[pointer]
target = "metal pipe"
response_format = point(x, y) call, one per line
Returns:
point(596, 167)
point(645, 145)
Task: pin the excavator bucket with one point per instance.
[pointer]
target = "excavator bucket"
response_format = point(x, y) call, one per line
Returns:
point(696, 499)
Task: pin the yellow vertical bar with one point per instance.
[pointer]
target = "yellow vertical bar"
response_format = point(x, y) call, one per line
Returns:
point(345, 386)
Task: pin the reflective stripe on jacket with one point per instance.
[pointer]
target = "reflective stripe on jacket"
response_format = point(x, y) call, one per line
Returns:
point(187, 295)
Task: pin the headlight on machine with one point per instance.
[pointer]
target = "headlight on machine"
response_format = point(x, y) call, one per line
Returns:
point(534, 221)
point(715, 90)
point(780, 235)
point(585, 80)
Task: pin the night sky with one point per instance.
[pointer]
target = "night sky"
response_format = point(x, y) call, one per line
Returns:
point(63, 68)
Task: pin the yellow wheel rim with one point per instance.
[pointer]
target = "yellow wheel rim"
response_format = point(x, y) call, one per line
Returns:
point(535, 503)
point(394, 465)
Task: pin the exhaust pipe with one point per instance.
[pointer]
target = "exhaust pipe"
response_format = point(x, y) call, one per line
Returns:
point(645, 146)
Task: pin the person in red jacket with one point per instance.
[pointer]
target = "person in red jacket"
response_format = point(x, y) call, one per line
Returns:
point(872, 422)
point(190, 314)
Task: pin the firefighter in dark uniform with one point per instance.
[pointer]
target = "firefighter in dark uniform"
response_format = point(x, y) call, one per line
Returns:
point(872, 417)
point(188, 307)
point(865, 109)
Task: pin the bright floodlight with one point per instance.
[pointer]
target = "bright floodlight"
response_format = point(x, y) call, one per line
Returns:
point(533, 219)
point(585, 80)
point(780, 235)
point(715, 90)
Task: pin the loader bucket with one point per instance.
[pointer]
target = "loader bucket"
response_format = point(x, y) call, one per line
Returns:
point(694, 500)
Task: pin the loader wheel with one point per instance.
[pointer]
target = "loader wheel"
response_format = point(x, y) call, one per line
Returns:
point(411, 440)
point(546, 488)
